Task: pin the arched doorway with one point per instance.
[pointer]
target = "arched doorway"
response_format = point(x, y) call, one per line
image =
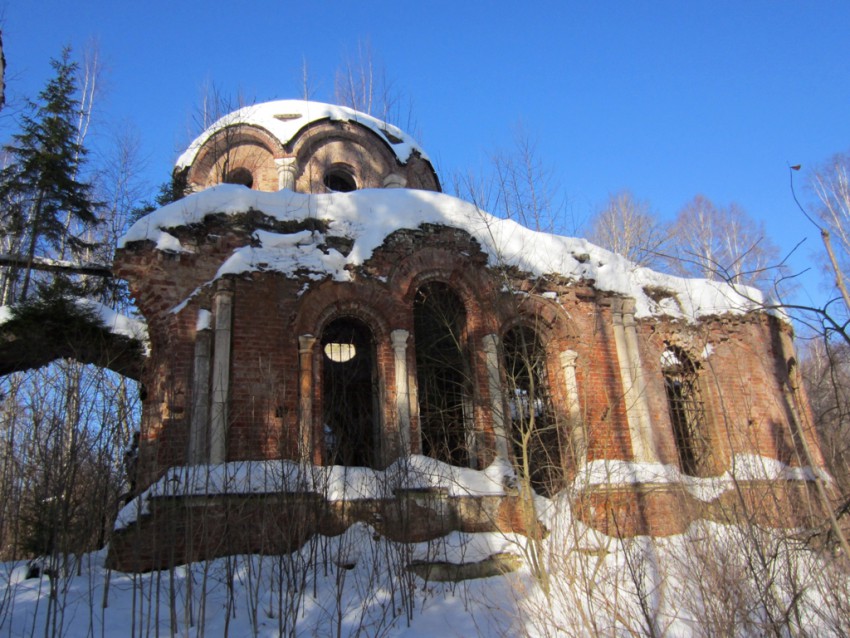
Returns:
point(349, 394)
point(534, 430)
point(443, 374)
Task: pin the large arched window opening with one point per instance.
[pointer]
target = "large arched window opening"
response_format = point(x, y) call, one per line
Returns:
point(534, 429)
point(443, 374)
point(687, 413)
point(349, 394)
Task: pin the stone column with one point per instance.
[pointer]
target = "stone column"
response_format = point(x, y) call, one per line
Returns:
point(223, 317)
point(200, 422)
point(402, 391)
point(305, 389)
point(497, 401)
point(286, 169)
point(413, 393)
point(578, 437)
point(634, 384)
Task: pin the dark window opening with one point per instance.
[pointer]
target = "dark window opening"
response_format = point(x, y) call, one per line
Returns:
point(349, 394)
point(240, 175)
point(687, 412)
point(340, 180)
point(533, 428)
point(442, 373)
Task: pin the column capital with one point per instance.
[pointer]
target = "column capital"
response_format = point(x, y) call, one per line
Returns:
point(224, 285)
point(305, 343)
point(285, 163)
point(399, 338)
point(286, 169)
point(568, 358)
point(394, 180)
point(491, 343)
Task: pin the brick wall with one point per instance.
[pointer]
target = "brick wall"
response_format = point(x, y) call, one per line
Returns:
point(742, 360)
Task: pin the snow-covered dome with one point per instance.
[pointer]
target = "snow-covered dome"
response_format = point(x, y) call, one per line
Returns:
point(306, 146)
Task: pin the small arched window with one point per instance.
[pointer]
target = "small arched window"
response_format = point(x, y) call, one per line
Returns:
point(339, 179)
point(687, 412)
point(239, 175)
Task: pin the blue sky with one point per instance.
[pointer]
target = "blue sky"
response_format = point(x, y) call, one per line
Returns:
point(668, 99)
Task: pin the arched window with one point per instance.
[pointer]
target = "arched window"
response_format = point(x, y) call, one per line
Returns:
point(534, 432)
point(443, 374)
point(687, 413)
point(349, 394)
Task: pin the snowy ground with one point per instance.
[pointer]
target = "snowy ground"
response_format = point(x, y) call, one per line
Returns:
point(713, 580)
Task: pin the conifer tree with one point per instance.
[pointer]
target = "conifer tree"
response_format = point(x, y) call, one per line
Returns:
point(43, 198)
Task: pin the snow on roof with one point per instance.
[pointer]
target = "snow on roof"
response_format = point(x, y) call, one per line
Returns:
point(284, 118)
point(368, 216)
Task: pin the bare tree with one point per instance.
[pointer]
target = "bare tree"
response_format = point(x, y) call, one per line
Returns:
point(831, 185)
point(2, 74)
point(628, 226)
point(722, 243)
point(825, 368)
point(362, 83)
point(518, 185)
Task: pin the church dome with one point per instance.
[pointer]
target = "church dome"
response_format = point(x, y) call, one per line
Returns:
point(308, 147)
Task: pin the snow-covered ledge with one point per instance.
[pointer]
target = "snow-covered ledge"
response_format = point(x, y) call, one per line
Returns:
point(333, 482)
point(743, 467)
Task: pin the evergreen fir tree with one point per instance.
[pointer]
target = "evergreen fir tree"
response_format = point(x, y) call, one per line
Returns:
point(40, 189)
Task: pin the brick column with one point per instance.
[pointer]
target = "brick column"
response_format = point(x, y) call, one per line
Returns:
point(402, 391)
point(200, 422)
point(497, 401)
point(634, 384)
point(223, 312)
point(305, 386)
point(286, 169)
point(578, 437)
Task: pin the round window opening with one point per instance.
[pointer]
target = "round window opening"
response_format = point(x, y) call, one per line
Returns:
point(240, 175)
point(340, 352)
point(340, 180)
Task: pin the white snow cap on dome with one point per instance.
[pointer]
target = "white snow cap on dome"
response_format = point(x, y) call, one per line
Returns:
point(284, 118)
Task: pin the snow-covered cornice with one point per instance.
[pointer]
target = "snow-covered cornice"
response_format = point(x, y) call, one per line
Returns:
point(366, 217)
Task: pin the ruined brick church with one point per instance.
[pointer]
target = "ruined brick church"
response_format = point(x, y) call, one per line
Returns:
point(318, 308)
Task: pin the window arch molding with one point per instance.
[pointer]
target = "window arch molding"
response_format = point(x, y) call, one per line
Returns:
point(311, 138)
point(325, 303)
point(551, 320)
point(354, 310)
point(478, 323)
point(553, 326)
point(227, 140)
